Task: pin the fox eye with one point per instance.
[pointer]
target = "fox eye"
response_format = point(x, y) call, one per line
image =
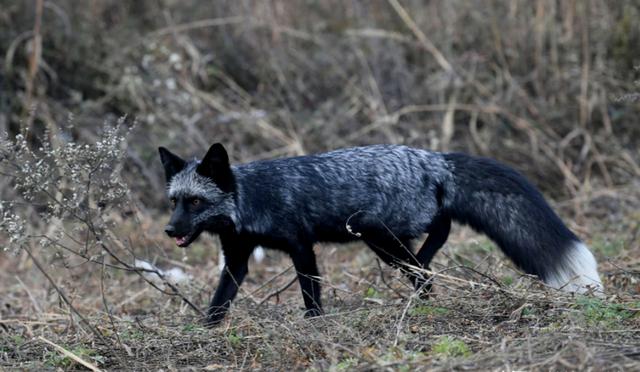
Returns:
point(173, 202)
point(195, 201)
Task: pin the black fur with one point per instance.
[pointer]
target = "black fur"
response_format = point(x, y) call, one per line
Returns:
point(496, 200)
point(385, 195)
point(171, 162)
point(215, 165)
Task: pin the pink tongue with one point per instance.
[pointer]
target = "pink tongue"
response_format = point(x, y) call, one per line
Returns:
point(181, 240)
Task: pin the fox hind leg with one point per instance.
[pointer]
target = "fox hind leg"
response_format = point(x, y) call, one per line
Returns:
point(395, 252)
point(438, 234)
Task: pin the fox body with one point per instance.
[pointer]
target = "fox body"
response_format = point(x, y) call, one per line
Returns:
point(385, 195)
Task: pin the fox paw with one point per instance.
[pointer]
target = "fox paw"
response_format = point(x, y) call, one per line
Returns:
point(212, 321)
point(312, 313)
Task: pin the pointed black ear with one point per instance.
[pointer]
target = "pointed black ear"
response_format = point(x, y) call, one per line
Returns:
point(172, 163)
point(215, 165)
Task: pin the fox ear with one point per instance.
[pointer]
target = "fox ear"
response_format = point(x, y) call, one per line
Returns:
point(215, 165)
point(172, 163)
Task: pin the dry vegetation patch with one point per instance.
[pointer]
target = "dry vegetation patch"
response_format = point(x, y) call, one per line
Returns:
point(373, 320)
point(549, 87)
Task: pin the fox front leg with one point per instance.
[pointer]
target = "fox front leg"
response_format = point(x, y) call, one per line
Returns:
point(233, 273)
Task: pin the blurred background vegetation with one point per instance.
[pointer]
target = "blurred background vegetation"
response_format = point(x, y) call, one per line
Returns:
point(550, 87)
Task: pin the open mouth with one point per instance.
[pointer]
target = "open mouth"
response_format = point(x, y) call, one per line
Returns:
point(189, 237)
point(183, 241)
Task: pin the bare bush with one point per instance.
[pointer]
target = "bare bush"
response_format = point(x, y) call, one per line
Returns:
point(549, 87)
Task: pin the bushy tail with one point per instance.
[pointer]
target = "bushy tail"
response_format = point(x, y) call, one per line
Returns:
point(496, 200)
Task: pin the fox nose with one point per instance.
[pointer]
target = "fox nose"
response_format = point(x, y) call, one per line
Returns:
point(170, 230)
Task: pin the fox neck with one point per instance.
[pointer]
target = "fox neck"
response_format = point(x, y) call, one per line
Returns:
point(247, 216)
point(222, 218)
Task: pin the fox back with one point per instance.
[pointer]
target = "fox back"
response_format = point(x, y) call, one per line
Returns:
point(386, 195)
point(377, 187)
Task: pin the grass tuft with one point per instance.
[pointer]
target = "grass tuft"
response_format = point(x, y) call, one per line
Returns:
point(447, 346)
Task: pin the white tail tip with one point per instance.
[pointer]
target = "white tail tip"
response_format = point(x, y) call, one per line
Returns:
point(578, 272)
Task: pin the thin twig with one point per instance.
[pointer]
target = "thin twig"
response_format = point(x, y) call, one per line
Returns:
point(107, 309)
point(385, 281)
point(139, 271)
point(277, 291)
point(65, 298)
point(71, 355)
point(34, 61)
point(424, 40)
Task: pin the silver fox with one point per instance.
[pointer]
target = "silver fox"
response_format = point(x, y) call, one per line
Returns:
point(385, 195)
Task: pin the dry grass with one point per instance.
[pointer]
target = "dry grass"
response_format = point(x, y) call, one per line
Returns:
point(483, 315)
point(544, 85)
point(549, 87)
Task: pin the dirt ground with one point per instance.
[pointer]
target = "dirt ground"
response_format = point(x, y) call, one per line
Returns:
point(549, 87)
point(483, 314)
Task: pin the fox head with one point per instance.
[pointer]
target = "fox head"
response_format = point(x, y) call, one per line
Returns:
point(201, 194)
